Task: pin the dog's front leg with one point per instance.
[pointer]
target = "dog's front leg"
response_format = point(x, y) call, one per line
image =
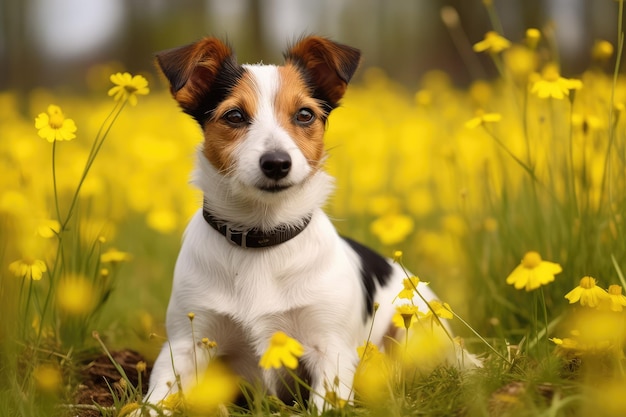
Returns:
point(335, 367)
point(182, 360)
point(177, 367)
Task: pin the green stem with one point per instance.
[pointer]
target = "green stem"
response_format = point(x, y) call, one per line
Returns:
point(572, 174)
point(27, 306)
point(193, 341)
point(521, 163)
point(98, 142)
point(482, 339)
point(54, 180)
point(545, 310)
point(494, 18)
point(612, 124)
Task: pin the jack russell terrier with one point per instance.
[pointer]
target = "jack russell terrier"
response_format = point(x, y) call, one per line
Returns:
point(261, 256)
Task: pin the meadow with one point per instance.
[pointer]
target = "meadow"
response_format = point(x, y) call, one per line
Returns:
point(507, 196)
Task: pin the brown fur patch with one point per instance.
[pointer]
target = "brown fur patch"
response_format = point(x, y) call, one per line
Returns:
point(330, 64)
point(293, 96)
point(191, 69)
point(220, 138)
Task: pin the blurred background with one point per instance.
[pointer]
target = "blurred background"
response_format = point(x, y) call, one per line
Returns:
point(57, 42)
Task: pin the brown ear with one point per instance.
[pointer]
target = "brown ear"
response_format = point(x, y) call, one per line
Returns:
point(329, 64)
point(194, 72)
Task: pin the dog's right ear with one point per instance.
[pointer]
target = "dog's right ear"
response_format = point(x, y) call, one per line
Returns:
point(192, 71)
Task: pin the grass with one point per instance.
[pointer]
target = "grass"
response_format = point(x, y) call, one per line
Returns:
point(464, 182)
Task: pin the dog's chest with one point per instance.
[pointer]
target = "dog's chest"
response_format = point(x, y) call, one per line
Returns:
point(250, 283)
point(253, 289)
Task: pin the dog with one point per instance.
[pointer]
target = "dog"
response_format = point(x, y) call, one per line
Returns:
point(260, 255)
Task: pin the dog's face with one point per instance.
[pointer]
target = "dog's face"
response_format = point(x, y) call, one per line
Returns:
point(263, 124)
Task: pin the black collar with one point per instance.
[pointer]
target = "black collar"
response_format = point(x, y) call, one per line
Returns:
point(254, 238)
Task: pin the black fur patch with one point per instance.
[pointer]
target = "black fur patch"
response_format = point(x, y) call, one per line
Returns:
point(314, 90)
point(227, 78)
point(374, 268)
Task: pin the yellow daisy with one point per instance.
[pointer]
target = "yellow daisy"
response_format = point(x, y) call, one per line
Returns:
point(551, 85)
point(217, 386)
point(282, 351)
point(442, 310)
point(588, 293)
point(405, 315)
point(482, 118)
point(492, 43)
point(409, 286)
point(28, 268)
point(127, 87)
point(75, 295)
point(115, 256)
point(533, 36)
point(533, 272)
point(618, 301)
point(565, 343)
point(392, 228)
point(53, 126)
point(48, 378)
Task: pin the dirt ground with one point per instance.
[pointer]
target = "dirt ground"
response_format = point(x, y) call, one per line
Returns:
point(99, 377)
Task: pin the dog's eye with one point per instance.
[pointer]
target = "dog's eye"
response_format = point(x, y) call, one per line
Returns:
point(234, 117)
point(304, 116)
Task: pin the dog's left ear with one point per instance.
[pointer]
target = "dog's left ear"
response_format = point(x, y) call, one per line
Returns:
point(329, 64)
point(192, 71)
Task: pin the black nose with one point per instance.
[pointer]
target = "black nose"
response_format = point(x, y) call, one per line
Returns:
point(275, 164)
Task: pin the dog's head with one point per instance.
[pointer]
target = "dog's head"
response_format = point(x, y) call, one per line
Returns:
point(263, 124)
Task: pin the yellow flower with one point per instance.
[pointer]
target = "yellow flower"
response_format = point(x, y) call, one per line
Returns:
point(442, 310)
point(407, 312)
point(141, 367)
point(115, 256)
point(586, 122)
point(492, 43)
point(127, 87)
point(217, 386)
point(565, 343)
point(162, 220)
point(173, 402)
point(533, 272)
point(372, 375)
point(282, 351)
point(483, 118)
point(367, 351)
point(127, 409)
point(48, 378)
point(28, 268)
point(533, 36)
point(618, 301)
point(392, 228)
point(521, 62)
point(551, 84)
point(588, 293)
point(207, 343)
point(602, 50)
point(409, 284)
point(75, 295)
point(53, 126)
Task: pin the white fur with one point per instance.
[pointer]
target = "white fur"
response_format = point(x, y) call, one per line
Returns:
point(310, 287)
